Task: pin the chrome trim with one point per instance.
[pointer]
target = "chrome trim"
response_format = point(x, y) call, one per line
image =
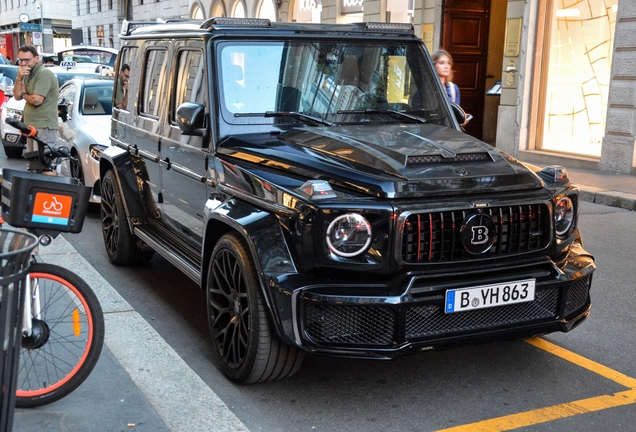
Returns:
point(188, 173)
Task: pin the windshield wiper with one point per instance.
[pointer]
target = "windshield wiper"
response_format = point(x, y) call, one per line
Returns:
point(384, 111)
point(299, 116)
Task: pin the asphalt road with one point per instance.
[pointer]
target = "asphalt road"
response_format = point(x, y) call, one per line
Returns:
point(432, 390)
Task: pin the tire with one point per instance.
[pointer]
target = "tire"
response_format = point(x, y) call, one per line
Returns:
point(122, 246)
point(76, 167)
point(248, 350)
point(13, 152)
point(67, 339)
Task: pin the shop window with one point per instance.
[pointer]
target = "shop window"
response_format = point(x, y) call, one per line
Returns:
point(238, 11)
point(575, 81)
point(217, 10)
point(267, 10)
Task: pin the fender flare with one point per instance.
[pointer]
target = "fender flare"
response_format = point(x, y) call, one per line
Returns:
point(264, 236)
point(131, 175)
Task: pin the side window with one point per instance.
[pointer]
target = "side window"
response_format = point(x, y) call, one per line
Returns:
point(190, 80)
point(154, 79)
point(122, 99)
point(67, 97)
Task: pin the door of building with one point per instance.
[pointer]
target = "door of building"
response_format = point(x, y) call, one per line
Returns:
point(465, 37)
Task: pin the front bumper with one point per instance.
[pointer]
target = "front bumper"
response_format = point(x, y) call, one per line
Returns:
point(407, 316)
point(13, 140)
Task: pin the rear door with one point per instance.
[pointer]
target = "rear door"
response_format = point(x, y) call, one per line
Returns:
point(184, 158)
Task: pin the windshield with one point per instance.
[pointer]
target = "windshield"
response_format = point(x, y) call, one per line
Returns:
point(336, 82)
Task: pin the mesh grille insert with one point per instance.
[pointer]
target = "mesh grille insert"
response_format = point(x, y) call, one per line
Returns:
point(364, 325)
point(577, 295)
point(423, 321)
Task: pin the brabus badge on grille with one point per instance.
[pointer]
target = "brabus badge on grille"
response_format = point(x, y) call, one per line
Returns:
point(478, 233)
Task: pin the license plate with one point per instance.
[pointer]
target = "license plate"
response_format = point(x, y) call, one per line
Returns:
point(485, 296)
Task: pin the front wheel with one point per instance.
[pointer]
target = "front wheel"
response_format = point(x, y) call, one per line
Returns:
point(248, 349)
point(66, 339)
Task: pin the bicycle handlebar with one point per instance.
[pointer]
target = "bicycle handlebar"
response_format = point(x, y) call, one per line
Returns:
point(45, 153)
point(27, 130)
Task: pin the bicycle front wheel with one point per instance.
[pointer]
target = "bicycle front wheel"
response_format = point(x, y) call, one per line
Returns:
point(67, 337)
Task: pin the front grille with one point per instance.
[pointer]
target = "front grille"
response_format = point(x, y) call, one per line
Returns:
point(430, 320)
point(577, 295)
point(436, 237)
point(357, 325)
point(435, 159)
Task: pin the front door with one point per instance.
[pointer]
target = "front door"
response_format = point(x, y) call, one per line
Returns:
point(465, 37)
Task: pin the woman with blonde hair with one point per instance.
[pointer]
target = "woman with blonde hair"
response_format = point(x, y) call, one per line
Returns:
point(444, 67)
point(443, 62)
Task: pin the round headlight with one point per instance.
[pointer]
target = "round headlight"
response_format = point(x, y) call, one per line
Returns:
point(349, 235)
point(563, 216)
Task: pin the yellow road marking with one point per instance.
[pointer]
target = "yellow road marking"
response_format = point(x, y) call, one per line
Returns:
point(565, 410)
point(588, 364)
point(543, 415)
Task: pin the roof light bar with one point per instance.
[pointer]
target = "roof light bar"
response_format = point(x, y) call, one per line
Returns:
point(238, 22)
point(387, 27)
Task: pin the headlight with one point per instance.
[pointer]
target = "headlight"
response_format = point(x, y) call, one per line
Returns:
point(14, 114)
point(349, 235)
point(563, 216)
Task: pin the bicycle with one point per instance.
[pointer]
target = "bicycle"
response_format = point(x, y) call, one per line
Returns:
point(63, 322)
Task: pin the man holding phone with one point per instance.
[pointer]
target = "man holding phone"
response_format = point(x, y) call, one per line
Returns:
point(39, 88)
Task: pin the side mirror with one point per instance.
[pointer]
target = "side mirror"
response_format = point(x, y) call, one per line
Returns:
point(459, 113)
point(191, 119)
point(62, 112)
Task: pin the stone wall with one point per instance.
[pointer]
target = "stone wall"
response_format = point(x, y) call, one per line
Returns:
point(617, 154)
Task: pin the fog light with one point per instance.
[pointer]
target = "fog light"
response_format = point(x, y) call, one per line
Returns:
point(11, 138)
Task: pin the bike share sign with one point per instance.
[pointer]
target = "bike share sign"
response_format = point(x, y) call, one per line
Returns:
point(52, 209)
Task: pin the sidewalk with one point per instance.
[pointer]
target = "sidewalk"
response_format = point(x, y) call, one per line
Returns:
point(614, 190)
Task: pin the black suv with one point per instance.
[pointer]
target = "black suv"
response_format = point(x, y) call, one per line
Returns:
point(313, 179)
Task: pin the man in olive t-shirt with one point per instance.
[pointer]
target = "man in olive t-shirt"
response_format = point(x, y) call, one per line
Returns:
point(39, 87)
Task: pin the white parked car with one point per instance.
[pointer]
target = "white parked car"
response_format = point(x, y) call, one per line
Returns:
point(12, 140)
point(85, 111)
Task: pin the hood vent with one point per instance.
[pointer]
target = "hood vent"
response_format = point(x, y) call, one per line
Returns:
point(436, 159)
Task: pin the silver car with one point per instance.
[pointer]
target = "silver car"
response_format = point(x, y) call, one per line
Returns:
point(85, 127)
point(11, 138)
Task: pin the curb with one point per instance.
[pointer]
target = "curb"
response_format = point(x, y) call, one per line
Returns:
point(608, 197)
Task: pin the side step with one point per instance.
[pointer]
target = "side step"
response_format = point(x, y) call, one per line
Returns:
point(180, 255)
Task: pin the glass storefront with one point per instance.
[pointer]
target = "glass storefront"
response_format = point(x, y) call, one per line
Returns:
point(575, 91)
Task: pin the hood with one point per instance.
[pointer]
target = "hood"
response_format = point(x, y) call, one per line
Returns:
point(97, 128)
point(401, 160)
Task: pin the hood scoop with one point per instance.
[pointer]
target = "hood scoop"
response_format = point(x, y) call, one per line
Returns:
point(437, 159)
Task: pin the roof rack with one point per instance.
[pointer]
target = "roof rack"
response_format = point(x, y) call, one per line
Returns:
point(128, 26)
point(211, 23)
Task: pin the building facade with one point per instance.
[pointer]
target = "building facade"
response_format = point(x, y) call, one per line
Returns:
point(47, 25)
point(546, 81)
